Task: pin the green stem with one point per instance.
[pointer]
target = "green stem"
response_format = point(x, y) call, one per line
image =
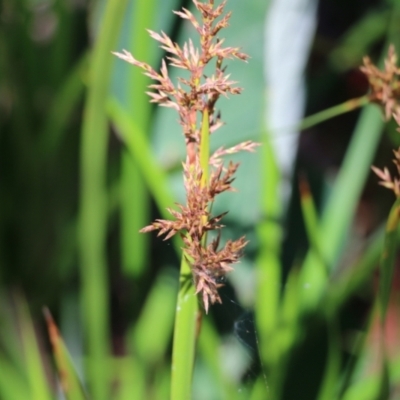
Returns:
point(334, 111)
point(184, 344)
point(93, 203)
point(188, 315)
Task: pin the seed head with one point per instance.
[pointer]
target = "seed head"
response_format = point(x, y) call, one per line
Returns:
point(385, 84)
point(190, 97)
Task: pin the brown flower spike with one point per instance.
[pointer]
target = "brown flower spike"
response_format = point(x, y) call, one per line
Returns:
point(385, 90)
point(384, 85)
point(387, 181)
point(194, 99)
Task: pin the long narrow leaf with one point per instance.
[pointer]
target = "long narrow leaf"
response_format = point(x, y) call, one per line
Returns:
point(159, 310)
point(62, 106)
point(357, 275)
point(388, 257)
point(311, 222)
point(139, 147)
point(341, 205)
point(93, 202)
point(69, 380)
point(130, 376)
point(329, 385)
point(13, 385)
point(268, 278)
point(38, 383)
point(135, 204)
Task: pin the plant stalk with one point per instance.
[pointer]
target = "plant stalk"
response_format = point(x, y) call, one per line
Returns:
point(188, 314)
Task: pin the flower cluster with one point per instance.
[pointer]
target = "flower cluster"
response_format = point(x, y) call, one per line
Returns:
point(384, 85)
point(387, 181)
point(194, 99)
point(385, 90)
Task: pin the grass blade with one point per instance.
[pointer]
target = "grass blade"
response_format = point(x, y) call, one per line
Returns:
point(350, 181)
point(135, 214)
point(268, 276)
point(139, 148)
point(388, 257)
point(93, 202)
point(311, 223)
point(130, 377)
point(337, 215)
point(69, 380)
point(357, 275)
point(329, 384)
point(62, 106)
point(151, 344)
point(13, 385)
point(38, 383)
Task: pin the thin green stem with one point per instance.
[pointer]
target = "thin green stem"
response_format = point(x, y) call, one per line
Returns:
point(306, 123)
point(334, 111)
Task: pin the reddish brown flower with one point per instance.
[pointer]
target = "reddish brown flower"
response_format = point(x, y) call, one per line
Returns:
point(387, 181)
point(191, 97)
point(385, 84)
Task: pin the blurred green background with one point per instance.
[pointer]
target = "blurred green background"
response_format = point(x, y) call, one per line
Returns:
point(86, 161)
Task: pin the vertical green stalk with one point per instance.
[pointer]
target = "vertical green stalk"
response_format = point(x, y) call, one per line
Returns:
point(93, 203)
point(184, 344)
point(187, 317)
point(268, 282)
point(134, 195)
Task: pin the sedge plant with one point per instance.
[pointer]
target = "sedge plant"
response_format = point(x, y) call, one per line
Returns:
point(204, 263)
point(25, 371)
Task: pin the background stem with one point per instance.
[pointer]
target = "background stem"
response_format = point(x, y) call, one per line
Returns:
point(93, 204)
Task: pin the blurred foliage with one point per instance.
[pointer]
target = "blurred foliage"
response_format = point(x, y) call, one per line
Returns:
point(86, 161)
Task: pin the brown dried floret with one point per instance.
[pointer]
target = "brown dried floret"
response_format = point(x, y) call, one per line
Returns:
point(190, 97)
point(384, 84)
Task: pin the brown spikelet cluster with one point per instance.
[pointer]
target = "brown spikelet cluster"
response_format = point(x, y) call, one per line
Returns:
point(194, 99)
point(385, 90)
point(384, 85)
point(387, 181)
